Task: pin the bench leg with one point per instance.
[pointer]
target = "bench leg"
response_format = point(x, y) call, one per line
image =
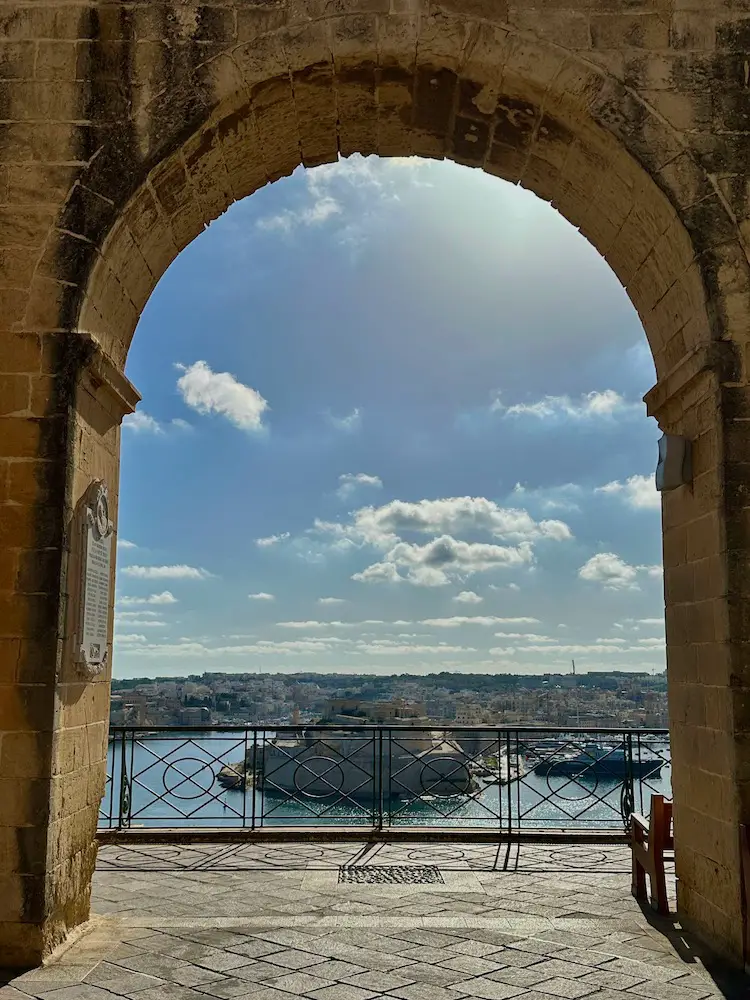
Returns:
point(638, 884)
point(659, 886)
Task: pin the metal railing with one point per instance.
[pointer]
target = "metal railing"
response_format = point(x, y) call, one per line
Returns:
point(507, 781)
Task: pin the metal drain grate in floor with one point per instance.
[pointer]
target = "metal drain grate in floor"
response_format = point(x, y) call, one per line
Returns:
point(391, 874)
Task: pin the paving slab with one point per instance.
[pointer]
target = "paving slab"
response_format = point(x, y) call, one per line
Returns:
point(273, 922)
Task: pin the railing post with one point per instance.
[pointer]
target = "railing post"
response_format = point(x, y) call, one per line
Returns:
point(627, 798)
point(380, 770)
point(111, 752)
point(257, 795)
point(123, 804)
point(244, 779)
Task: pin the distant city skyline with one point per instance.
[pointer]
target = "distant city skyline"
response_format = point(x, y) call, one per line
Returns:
point(391, 422)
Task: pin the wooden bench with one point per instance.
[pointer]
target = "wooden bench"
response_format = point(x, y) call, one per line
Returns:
point(649, 839)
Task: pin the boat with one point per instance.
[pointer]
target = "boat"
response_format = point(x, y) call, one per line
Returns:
point(600, 761)
point(355, 766)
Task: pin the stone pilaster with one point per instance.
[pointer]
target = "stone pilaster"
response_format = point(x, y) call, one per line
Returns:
point(706, 591)
point(60, 427)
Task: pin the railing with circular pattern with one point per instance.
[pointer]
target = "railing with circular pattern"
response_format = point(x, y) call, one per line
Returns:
point(508, 780)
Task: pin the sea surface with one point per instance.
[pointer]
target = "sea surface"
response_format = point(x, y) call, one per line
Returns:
point(171, 781)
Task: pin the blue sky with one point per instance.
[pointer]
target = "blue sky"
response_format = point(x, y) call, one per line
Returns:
point(391, 421)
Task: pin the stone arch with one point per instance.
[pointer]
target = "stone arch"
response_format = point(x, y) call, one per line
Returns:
point(129, 127)
point(480, 94)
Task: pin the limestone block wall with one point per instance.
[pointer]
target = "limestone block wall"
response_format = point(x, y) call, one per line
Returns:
point(127, 127)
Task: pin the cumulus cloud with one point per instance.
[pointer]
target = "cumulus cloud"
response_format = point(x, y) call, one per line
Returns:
point(349, 482)
point(331, 600)
point(382, 527)
point(613, 573)
point(638, 492)
point(140, 622)
point(318, 212)
point(269, 540)
point(186, 647)
point(179, 572)
point(385, 647)
point(207, 391)
point(383, 572)
point(579, 649)
point(123, 543)
point(526, 636)
point(129, 637)
point(468, 597)
point(335, 624)
point(487, 620)
point(590, 406)
point(141, 423)
point(349, 423)
point(261, 596)
point(346, 195)
point(442, 560)
point(165, 597)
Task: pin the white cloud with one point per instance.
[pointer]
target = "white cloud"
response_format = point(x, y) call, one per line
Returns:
point(580, 649)
point(351, 481)
point(468, 597)
point(659, 622)
point(590, 406)
point(180, 572)
point(349, 423)
point(207, 391)
point(129, 637)
point(123, 543)
point(141, 423)
point(610, 570)
point(166, 597)
point(614, 573)
point(383, 572)
point(123, 615)
point(198, 649)
point(526, 636)
point(331, 600)
point(349, 193)
point(144, 423)
point(335, 624)
point(384, 647)
point(436, 563)
point(141, 622)
point(487, 620)
point(383, 527)
point(269, 540)
point(321, 210)
point(261, 596)
point(652, 643)
point(638, 492)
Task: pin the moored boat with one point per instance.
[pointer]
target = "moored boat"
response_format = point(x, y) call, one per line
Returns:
point(600, 761)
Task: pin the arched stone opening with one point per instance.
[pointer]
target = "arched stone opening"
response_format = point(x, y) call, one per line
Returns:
point(192, 112)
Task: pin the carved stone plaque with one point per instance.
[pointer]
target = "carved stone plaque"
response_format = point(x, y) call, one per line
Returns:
point(96, 566)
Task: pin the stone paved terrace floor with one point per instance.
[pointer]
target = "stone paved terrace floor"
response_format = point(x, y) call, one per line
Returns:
point(416, 922)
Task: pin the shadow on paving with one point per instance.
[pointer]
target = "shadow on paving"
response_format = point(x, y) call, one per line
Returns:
point(365, 921)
